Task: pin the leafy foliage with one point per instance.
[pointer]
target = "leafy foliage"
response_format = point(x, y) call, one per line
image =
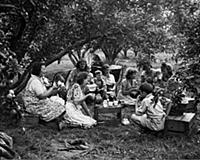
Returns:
point(50, 29)
point(187, 25)
point(18, 21)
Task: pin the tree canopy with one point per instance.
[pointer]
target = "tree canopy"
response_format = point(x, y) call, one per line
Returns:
point(49, 29)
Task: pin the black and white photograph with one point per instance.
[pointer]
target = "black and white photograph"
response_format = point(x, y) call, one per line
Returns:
point(99, 79)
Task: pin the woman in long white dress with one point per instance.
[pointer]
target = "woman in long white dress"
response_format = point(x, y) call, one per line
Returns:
point(76, 102)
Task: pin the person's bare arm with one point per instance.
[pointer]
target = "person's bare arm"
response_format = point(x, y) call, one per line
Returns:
point(79, 101)
point(85, 108)
point(48, 93)
point(128, 91)
point(83, 104)
point(140, 108)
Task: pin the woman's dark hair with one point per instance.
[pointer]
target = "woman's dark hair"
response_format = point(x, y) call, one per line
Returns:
point(163, 64)
point(58, 77)
point(149, 80)
point(36, 68)
point(169, 72)
point(129, 73)
point(146, 87)
point(96, 57)
point(146, 67)
point(81, 77)
point(78, 65)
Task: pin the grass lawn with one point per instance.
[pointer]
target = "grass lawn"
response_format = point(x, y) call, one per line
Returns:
point(106, 141)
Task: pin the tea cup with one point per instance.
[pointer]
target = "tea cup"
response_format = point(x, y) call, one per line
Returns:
point(115, 103)
point(110, 104)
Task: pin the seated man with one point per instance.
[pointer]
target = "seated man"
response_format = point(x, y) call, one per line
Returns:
point(101, 85)
point(150, 113)
point(109, 80)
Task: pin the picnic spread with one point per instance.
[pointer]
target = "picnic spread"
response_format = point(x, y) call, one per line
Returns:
point(113, 88)
point(165, 107)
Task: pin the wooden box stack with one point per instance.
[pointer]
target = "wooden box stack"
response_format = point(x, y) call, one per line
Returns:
point(180, 125)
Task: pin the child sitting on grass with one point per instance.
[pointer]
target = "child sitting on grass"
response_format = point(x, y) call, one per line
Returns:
point(150, 113)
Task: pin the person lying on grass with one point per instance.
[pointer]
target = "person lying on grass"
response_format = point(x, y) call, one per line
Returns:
point(150, 113)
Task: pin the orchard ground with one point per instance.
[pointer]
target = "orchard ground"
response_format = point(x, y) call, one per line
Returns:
point(106, 141)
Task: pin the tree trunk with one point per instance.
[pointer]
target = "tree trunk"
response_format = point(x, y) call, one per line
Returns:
point(125, 53)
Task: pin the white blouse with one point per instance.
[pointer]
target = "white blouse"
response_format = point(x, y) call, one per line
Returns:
point(35, 85)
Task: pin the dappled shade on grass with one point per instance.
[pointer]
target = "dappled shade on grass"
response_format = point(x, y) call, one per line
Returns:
point(108, 141)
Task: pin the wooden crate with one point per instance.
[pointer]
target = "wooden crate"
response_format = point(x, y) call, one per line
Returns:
point(191, 107)
point(30, 120)
point(98, 109)
point(180, 125)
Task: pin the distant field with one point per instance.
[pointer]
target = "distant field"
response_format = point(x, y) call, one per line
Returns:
point(64, 65)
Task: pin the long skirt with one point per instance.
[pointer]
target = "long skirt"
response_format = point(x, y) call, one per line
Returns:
point(75, 116)
point(47, 109)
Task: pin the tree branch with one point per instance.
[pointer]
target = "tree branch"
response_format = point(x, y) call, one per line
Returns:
point(73, 58)
point(68, 49)
point(12, 10)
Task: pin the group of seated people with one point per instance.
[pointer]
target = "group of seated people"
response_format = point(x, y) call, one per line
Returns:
point(42, 99)
point(149, 111)
point(105, 81)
